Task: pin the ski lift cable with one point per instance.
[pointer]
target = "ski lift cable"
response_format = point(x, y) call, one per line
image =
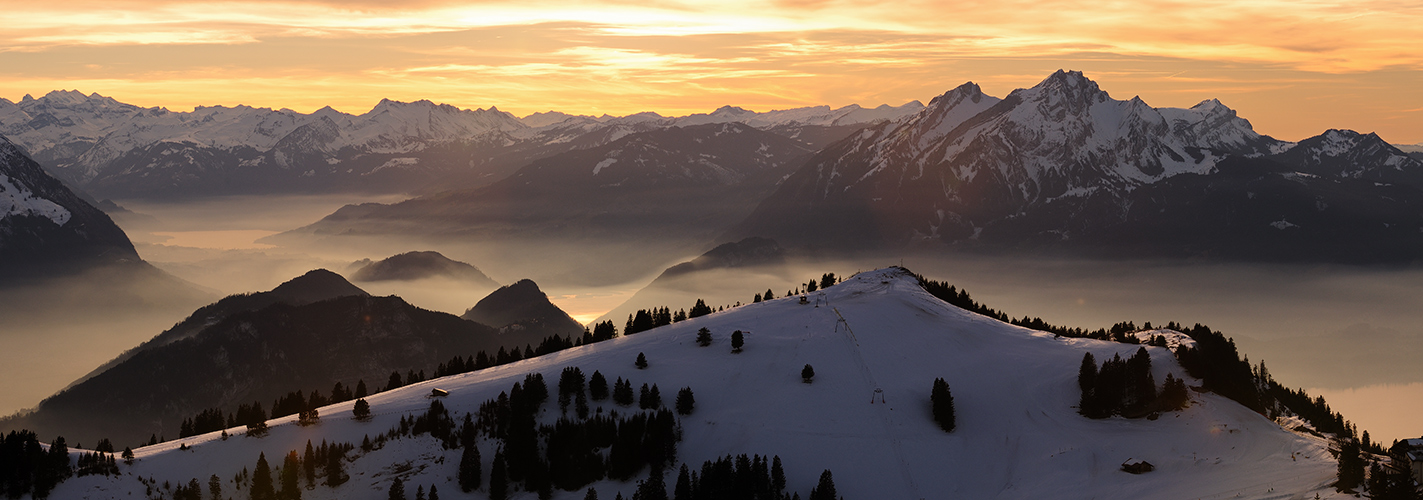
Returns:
point(864, 367)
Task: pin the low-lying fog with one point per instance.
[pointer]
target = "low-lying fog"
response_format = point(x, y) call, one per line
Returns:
point(1348, 334)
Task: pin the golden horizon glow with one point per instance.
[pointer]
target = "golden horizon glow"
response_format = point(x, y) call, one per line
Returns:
point(1293, 68)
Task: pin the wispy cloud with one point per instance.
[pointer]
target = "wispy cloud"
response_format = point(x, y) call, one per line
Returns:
point(681, 55)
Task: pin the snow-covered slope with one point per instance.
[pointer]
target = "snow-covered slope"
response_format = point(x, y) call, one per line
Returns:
point(1352, 155)
point(1018, 434)
point(46, 229)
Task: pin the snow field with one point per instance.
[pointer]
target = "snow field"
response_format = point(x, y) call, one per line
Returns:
point(1018, 435)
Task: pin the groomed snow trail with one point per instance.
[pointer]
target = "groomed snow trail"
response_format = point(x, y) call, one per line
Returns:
point(876, 392)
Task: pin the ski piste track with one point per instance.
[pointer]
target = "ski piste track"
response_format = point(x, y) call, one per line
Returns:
point(886, 408)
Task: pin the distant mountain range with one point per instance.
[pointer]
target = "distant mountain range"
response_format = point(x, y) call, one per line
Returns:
point(689, 182)
point(119, 150)
point(1063, 167)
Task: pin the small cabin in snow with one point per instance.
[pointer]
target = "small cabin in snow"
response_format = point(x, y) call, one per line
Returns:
point(439, 393)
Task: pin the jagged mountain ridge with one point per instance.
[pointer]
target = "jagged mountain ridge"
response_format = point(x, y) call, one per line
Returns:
point(1062, 165)
point(121, 150)
point(1018, 435)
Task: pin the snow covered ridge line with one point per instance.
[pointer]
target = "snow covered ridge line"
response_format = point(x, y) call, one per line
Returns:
point(878, 334)
point(60, 118)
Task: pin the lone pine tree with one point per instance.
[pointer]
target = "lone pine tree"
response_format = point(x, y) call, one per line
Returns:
point(807, 373)
point(943, 404)
point(685, 401)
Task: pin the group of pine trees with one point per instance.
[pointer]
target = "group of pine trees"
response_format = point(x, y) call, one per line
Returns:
point(568, 454)
point(397, 491)
point(26, 467)
point(727, 478)
point(647, 319)
point(319, 465)
point(1126, 387)
point(254, 415)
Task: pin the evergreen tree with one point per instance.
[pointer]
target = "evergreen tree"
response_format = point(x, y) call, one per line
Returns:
point(335, 473)
point(308, 464)
point(778, 477)
point(1087, 374)
point(699, 309)
point(598, 386)
point(215, 487)
point(397, 489)
point(1351, 466)
point(685, 401)
point(683, 489)
point(361, 391)
point(737, 340)
point(768, 295)
point(942, 402)
point(810, 287)
point(1173, 394)
point(807, 373)
point(498, 478)
point(704, 337)
point(756, 299)
point(580, 405)
point(420, 492)
point(825, 490)
point(434, 494)
point(262, 480)
point(470, 471)
point(362, 409)
point(290, 466)
point(651, 489)
point(622, 392)
point(641, 361)
point(591, 495)
point(394, 382)
point(1378, 482)
point(827, 280)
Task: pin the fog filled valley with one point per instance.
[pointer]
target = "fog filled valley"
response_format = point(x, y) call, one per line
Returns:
point(1348, 333)
point(385, 278)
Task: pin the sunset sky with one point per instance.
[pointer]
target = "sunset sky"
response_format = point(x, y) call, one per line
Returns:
point(1294, 68)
